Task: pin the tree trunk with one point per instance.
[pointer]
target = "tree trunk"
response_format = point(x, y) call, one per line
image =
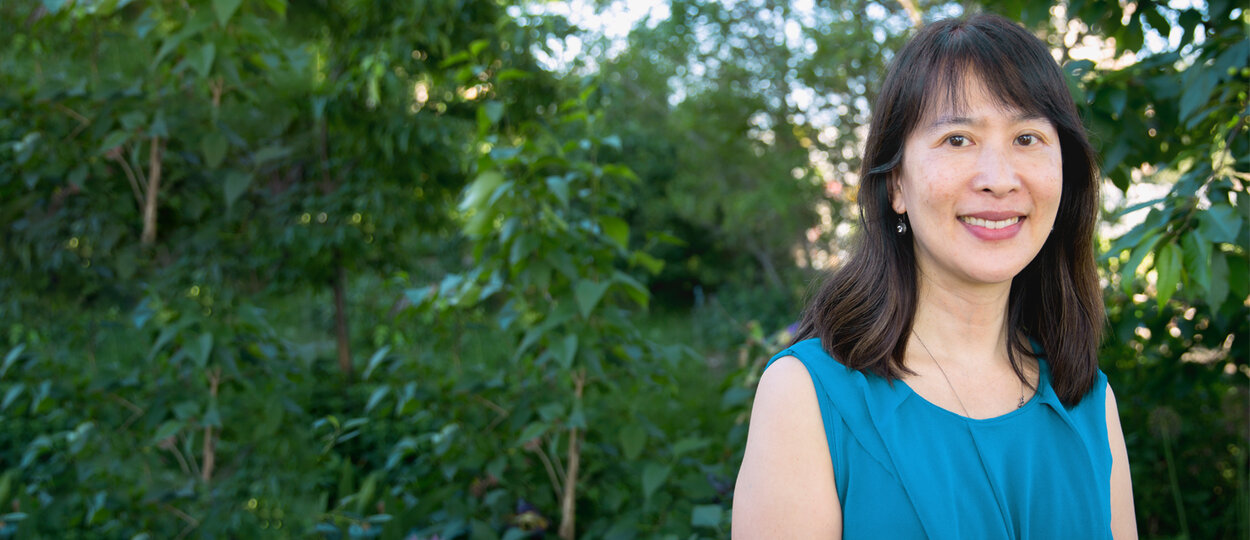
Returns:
point(154, 188)
point(568, 506)
point(340, 317)
point(210, 446)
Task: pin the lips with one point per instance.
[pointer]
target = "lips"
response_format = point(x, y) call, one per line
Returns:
point(991, 226)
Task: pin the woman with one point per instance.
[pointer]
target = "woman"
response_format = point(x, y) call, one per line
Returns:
point(944, 383)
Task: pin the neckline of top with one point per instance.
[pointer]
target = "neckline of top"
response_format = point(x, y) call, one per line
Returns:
point(1028, 405)
point(1041, 393)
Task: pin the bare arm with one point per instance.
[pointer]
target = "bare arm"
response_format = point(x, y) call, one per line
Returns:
point(786, 487)
point(1123, 517)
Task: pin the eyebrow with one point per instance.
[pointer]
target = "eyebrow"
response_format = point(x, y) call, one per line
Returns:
point(955, 120)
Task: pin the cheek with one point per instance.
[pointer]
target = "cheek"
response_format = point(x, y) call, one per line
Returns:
point(1047, 185)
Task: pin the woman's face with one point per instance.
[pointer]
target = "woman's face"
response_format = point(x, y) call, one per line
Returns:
point(980, 187)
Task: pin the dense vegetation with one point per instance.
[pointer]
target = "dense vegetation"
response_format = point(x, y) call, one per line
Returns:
point(353, 269)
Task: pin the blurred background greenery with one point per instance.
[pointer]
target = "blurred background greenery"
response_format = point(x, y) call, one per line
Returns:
point(480, 269)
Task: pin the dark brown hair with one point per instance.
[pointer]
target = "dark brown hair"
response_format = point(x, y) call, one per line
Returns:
point(863, 313)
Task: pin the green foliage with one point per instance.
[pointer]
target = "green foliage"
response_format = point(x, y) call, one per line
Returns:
point(522, 267)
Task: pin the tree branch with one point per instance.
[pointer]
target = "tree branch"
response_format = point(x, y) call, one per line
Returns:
point(154, 188)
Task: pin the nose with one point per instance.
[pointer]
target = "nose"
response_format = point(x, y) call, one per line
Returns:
point(995, 173)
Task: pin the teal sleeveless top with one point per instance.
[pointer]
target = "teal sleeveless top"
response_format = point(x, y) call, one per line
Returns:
point(906, 468)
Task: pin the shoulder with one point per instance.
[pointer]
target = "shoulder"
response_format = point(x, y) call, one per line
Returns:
point(785, 401)
point(784, 373)
point(1111, 409)
point(786, 484)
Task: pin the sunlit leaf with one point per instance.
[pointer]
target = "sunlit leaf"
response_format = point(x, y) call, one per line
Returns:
point(1168, 272)
point(616, 229)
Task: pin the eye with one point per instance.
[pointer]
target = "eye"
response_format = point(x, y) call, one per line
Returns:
point(958, 140)
point(1028, 139)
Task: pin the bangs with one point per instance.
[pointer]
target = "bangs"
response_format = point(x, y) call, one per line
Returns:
point(947, 90)
point(1014, 74)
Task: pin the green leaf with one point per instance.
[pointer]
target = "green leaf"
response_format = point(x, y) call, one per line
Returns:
point(158, 128)
point(53, 6)
point(235, 185)
point(1220, 224)
point(14, 392)
point(167, 430)
point(201, 60)
point(1197, 251)
point(132, 120)
point(194, 27)
point(225, 9)
point(707, 515)
point(78, 175)
point(1167, 272)
point(511, 74)
point(11, 358)
point(521, 248)
point(494, 111)
point(652, 264)
point(1117, 97)
point(559, 185)
point(578, 418)
point(418, 295)
point(480, 189)
point(375, 361)
point(633, 438)
point(213, 146)
point(565, 351)
point(376, 396)
point(588, 293)
point(1115, 155)
point(270, 153)
point(212, 417)
point(616, 229)
point(635, 290)
point(278, 6)
point(533, 431)
point(1197, 91)
point(204, 347)
point(653, 476)
point(1156, 219)
point(1219, 280)
point(113, 140)
point(689, 444)
point(512, 533)
point(1133, 208)
point(620, 171)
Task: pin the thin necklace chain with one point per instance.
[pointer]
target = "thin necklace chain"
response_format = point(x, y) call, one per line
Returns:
point(948, 379)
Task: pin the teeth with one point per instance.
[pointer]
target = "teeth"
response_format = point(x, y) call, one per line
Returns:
point(978, 222)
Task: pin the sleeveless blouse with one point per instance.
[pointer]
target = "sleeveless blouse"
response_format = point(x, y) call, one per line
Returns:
point(906, 468)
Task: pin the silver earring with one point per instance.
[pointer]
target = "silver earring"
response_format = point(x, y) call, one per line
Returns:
point(901, 228)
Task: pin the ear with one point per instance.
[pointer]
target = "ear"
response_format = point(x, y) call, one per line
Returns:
point(896, 194)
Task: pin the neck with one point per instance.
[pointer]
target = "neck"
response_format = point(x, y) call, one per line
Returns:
point(969, 324)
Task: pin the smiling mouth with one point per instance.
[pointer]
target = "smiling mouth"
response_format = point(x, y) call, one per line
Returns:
point(990, 224)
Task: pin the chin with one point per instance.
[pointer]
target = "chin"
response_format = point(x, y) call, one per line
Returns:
point(995, 275)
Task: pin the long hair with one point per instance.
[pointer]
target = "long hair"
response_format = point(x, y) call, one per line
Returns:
point(864, 312)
